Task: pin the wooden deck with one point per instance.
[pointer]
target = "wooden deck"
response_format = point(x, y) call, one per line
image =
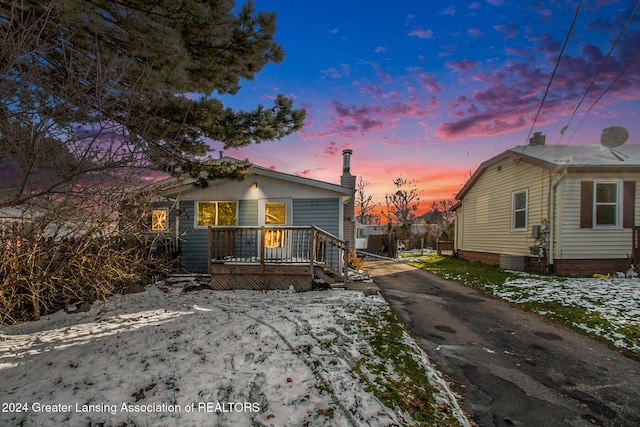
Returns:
point(273, 257)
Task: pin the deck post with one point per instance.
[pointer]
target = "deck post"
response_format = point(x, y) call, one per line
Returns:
point(312, 249)
point(262, 251)
point(345, 274)
point(209, 243)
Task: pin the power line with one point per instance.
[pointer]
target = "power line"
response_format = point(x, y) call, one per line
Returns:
point(566, 41)
point(604, 92)
point(624, 27)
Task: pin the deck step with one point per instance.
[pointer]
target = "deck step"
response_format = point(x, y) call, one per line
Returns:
point(320, 273)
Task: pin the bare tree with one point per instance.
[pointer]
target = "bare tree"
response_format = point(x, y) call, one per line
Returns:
point(404, 201)
point(364, 203)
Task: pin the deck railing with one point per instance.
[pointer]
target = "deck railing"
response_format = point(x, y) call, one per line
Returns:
point(278, 245)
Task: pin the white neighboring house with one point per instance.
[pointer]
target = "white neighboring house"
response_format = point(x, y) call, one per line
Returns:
point(569, 209)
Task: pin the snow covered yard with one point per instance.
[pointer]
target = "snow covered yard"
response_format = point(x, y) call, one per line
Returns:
point(167, 357)
point(614, 300)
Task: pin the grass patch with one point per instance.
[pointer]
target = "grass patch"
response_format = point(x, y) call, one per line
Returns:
point(623, 336)
point(474, 274)
point(396, 376)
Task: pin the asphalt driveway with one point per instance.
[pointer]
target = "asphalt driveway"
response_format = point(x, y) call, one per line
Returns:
point(511, 367)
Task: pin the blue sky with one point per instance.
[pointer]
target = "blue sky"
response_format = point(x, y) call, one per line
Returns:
point(428, 90)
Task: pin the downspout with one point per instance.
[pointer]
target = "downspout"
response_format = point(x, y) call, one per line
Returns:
point(551, 207)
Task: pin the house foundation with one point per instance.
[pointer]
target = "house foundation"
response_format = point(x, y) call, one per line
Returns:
point(588, 267)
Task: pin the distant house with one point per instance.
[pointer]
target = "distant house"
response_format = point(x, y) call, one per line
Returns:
point(271, 228)
point(569, 209)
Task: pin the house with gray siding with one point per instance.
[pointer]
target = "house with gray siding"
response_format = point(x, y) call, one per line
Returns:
point(270, 221)
point(569, 209)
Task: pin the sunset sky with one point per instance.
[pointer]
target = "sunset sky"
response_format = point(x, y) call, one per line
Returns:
point(429, 89)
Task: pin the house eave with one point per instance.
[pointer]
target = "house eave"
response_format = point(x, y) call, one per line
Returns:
point(544, 164)
point(187, 185)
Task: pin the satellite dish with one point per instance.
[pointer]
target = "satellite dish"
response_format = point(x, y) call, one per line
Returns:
point(614, 136)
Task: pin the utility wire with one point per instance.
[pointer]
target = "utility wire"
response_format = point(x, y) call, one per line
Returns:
point(566, 40)
point(626, 67)
point(626, 24)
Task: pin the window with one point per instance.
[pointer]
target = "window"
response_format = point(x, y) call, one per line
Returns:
point(216, 213)
point(275, 213)
point(519, 210)
point(605, 204)
point(159, 219)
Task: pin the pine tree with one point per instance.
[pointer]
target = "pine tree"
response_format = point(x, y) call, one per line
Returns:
point(97, 85)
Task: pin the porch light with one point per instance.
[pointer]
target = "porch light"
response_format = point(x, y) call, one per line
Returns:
point(255, 185)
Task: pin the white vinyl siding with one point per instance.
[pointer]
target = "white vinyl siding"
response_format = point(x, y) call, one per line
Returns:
point(588, 243)
point(485, 217)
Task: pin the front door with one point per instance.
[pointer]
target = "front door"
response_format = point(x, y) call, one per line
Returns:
point(277, 241)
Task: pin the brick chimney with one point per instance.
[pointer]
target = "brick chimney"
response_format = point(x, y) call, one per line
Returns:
point(349, 181)
point(537, 139)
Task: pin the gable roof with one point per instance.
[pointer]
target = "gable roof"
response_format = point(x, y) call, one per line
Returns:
point(578, 158)
point(171, 188)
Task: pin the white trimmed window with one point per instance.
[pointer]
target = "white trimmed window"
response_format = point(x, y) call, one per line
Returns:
point(216, 213)
point(606, 204)
point(519, 210)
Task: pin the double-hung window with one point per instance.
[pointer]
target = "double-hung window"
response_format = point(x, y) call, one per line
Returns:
point(519, 210)
point(215, 213)
point(606, 204)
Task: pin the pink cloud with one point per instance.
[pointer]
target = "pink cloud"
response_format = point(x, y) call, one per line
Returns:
point(510, 96)
point(307, 172)
point(475, 33)
point(421, 33)
point(515, 52)
point(373, 89)
point(343, 70)
point(382, 75)
point(545, 14)
point(331, 149)
point(509, 30)
point(380, 49)
point(350, 120)
point(427, 80)
point(462, 65)
point(451, 10)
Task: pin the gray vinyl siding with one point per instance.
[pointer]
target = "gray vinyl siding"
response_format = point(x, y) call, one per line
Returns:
point(247, 212)
point(193, 240)
point(323, 213)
